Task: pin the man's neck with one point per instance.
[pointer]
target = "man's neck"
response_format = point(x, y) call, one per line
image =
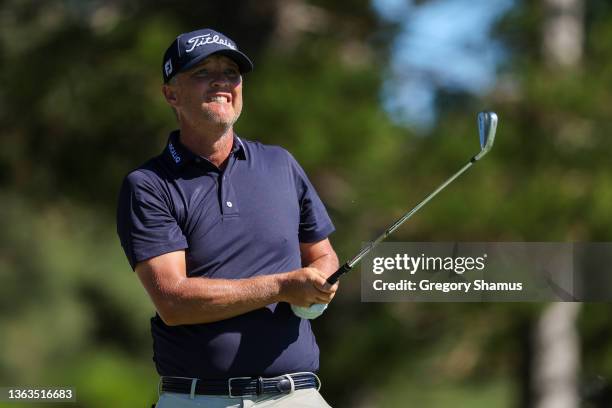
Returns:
point(214, 144)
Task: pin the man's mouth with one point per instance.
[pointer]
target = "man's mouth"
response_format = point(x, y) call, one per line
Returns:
point(217, 98)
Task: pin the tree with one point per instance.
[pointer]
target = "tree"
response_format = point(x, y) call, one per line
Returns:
point(556, 340)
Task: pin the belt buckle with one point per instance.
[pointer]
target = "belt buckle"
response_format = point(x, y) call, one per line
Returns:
point(229, 387)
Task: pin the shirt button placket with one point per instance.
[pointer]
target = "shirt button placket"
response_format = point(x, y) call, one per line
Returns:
point(228, 195)
point(228, 201)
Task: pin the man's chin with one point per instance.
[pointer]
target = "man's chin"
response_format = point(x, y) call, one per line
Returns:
point(221, 122)
point(223, 119)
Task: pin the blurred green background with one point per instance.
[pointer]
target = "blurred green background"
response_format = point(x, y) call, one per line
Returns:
point(80, 106)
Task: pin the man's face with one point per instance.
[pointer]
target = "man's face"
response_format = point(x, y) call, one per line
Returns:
point(211, 92)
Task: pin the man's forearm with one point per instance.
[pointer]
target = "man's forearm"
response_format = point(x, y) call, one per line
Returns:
point(183, 300)
point(203, 300)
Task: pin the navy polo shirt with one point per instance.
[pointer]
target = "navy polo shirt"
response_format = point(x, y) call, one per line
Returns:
point(243, 221)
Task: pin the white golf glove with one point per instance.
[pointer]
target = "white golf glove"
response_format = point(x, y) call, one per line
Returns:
point(311, 312)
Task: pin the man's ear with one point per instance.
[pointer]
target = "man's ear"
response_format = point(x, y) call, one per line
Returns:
point(170, 93)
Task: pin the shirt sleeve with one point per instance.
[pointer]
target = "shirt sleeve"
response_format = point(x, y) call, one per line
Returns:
point(145, 224)
point(315, 223)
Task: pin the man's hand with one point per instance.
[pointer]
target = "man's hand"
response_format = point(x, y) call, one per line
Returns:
point(306, 286)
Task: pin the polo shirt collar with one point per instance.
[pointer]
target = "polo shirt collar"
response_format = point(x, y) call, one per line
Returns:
point(178, 154)
point(238, 148)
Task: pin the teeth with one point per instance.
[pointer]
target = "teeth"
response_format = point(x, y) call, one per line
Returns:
point(220, 99)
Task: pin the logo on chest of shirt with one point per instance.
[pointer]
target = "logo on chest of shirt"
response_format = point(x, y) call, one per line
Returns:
point(174, 153)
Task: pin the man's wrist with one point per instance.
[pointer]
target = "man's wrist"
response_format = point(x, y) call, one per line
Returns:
point(281, 283)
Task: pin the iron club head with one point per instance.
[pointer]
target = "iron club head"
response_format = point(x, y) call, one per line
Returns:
point(487, 125)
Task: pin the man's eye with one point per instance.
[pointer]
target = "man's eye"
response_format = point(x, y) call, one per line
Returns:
point(202, 72)
point(231, 73)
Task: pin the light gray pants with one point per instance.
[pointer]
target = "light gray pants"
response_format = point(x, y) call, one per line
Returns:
point(309, 398)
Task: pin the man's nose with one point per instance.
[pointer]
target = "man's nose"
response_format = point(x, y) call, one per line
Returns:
point(219, 79)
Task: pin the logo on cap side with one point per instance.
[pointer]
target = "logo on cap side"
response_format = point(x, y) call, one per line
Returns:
point(200, 40)
point(168, 67)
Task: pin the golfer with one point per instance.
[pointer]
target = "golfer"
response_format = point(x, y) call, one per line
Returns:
point(225, 234)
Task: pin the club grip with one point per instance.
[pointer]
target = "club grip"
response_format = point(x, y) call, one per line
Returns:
point(316, 310)
point(336, 275)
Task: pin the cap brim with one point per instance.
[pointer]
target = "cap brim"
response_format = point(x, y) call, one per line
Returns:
point(244, 63)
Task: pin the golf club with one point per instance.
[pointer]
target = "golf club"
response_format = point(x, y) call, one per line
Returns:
point(487, 125)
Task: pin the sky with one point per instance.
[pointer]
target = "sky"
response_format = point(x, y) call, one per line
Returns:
point(442, 44)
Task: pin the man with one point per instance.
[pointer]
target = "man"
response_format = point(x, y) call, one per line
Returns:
point(217, 229)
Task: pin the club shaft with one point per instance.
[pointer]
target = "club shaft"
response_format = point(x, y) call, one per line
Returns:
point(350, 264)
